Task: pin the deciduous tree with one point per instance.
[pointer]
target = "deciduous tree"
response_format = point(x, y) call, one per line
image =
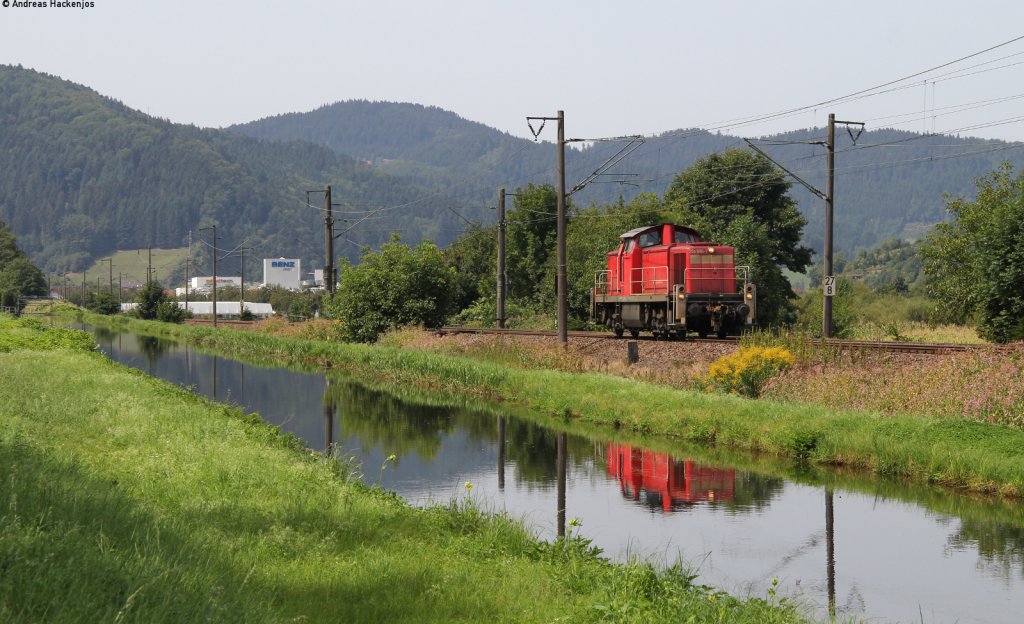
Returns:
point(741, 199)
point(975, 263)
point(396, 286)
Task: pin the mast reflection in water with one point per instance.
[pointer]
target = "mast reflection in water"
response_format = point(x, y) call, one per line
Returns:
point(902, 551)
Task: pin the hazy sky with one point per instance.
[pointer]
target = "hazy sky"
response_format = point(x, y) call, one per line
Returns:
point(614, 67)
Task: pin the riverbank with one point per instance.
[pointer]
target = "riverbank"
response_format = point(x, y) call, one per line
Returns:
point(126, 498)
point(956, 453)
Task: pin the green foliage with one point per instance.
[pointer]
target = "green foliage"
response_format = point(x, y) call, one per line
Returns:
point(473, 257)
point(518, 314)
point(975, 264)
point(154, 304)
point(760, 220)
point(169, 311)
point(19, 277)
point(105, 303)
point(848, 299)
point(149, 299)
point(530, 243)
point(27, 334)
point(393, 287)
point(891, 267)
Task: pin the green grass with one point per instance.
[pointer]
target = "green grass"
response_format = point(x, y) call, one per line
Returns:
point(134, 263)
point(124, 498)
point(972, 456)
point(29, 333)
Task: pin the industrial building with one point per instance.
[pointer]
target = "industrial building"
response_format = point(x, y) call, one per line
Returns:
point(283, 272)
point(225, 309)
point(205, 284)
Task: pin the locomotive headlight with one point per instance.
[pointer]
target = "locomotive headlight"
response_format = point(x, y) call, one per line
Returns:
point(711, 250)
point(750, 295)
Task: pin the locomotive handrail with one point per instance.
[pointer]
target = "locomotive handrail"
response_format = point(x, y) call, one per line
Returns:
point(601, 283)
point(737, 270)
point(651, 280)
point(649, 275)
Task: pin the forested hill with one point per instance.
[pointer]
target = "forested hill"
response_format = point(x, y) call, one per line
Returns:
point(82, 175)
point(894, 189)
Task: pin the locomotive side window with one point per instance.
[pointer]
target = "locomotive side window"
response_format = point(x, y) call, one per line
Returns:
point(684, 237)
point(650, 239)
point(629, 245)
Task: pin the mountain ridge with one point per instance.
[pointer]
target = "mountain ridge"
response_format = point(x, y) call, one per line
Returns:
point(82, 175)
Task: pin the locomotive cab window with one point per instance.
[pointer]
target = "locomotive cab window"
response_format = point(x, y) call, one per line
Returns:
point(684, 237)
point(650, 239)
point(629, 245)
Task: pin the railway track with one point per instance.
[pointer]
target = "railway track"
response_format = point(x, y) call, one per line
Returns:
point(866, 345)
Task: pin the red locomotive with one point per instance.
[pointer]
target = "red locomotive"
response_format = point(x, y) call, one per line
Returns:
point(663, 279)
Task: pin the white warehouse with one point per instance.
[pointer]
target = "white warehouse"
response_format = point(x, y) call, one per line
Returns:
point(284, 272)
point(205, 284)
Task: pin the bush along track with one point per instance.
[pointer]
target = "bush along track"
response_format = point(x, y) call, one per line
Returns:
point(125, 498)
point(956, 453)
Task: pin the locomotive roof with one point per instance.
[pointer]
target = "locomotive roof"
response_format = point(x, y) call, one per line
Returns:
point(639, 230)
point(635, 231)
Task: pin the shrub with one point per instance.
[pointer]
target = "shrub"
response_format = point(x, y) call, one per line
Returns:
point(170, 312)
point(746, 371)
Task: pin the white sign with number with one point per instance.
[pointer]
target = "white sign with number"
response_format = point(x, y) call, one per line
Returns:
point(830, 285)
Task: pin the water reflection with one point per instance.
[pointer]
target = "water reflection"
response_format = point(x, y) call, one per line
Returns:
point(658, 480)
point(881, 550)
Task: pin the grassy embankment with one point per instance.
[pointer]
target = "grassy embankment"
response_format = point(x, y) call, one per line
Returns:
point(957, 453)
point(133, 263)
point(125, 498)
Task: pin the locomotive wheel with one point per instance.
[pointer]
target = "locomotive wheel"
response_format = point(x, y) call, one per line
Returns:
point(722, 333)
point(618, 329)
point(635, 333)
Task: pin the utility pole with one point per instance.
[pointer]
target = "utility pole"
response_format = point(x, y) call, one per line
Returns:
point(149, 266)
point(214, 275)
point(120, 288)
point(188, 258)
point(828, 279)
point(563, 332)
point(502, 280)
point(110, 268)
point(241, 270)
point(213, 253)
point(830, 180)
point(329, 241)
point(83, 288)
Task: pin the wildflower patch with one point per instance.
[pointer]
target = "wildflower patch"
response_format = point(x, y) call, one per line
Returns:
point(746, 371)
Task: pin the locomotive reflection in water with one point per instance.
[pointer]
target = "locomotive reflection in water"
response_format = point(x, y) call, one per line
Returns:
point(658, 480)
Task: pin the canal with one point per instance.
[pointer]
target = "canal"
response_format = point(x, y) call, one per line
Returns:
point(871, 549)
